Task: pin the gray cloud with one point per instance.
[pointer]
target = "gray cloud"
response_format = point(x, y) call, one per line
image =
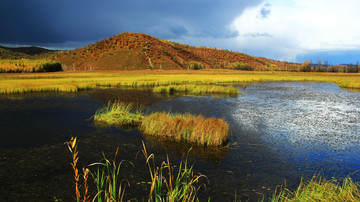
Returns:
point(265, 11)
point(264, 34)
point(59, 21)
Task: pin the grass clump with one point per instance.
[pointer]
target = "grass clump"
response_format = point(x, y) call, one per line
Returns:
point(109, 185)
point(169, 188)
point(165, 186)
point(120, 114)
point(318, 189)
point(191, 128)
point(178, 127)
point(196, 89)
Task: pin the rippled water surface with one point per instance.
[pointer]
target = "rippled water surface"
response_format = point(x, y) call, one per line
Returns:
point(277, 131)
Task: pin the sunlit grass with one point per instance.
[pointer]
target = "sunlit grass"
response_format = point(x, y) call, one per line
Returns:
point(186, 127)
point(26, 65)
point(74, 81)
point(118, 113)
point(319, 189)
point(181, 188)
point(177, 127)
point(196, 89)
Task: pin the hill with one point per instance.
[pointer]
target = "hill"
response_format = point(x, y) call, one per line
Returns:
point(128, 51)
point(32, 52)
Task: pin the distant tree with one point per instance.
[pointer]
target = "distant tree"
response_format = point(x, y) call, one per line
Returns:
point(357, 67)
point(318, 67)
point(305, 66)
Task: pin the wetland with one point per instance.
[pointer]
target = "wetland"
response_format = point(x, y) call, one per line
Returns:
point(277, 131)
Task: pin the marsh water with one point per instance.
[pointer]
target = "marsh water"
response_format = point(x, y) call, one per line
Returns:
point(278, 131)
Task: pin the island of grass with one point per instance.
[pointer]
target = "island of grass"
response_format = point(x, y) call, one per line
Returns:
point(178, 127)
point(196, 89)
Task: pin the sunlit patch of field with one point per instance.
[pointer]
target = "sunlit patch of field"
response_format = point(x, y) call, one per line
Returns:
point(75, 81)
point(26, 65)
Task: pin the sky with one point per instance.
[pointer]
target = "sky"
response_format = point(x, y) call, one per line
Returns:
point(288, 30)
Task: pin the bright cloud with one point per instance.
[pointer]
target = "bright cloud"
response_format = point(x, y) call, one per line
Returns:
point(284, 29)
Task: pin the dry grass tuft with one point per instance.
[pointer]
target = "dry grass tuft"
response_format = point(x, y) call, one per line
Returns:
point(196, 89)
point(191, 128)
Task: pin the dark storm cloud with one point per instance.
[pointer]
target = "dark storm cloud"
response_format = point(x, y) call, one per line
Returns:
point(59, 21)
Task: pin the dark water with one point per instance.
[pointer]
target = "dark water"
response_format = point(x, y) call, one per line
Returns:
point(277, 131)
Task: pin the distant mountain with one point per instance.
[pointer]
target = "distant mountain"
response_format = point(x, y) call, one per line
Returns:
point(129, 51)
point(24, 52)
point(132, 51)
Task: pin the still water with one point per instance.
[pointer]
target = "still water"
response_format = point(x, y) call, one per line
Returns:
point(278, 131)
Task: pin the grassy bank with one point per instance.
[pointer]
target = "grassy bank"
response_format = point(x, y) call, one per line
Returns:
point(178, 127)
point(74, 81)
point(319, 189)
point(196, 89)
point(26, 66)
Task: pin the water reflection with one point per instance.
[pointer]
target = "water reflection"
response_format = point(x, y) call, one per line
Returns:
point(312, 115)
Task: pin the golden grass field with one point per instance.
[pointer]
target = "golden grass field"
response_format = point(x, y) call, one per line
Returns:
point(74, 81)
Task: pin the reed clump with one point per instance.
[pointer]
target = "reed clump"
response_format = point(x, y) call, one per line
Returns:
point(119, 113)
point(196, 89)
point(186, 127)
point(109, 185)
point(179, 127)
point(166, 185)
point(318, 189)
point(180, 187)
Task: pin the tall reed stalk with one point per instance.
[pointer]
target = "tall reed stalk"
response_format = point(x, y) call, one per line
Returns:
point(73, 149)
point(181, 188)
point(107, 180)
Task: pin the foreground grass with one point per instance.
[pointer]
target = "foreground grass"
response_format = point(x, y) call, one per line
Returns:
point(196, 89)
point(179, 127)
point(319, 189)
point(166, 185)
point(75, 81)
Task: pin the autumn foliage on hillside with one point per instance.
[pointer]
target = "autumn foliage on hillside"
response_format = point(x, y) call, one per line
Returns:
point(24, 53)
point(128, 51)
